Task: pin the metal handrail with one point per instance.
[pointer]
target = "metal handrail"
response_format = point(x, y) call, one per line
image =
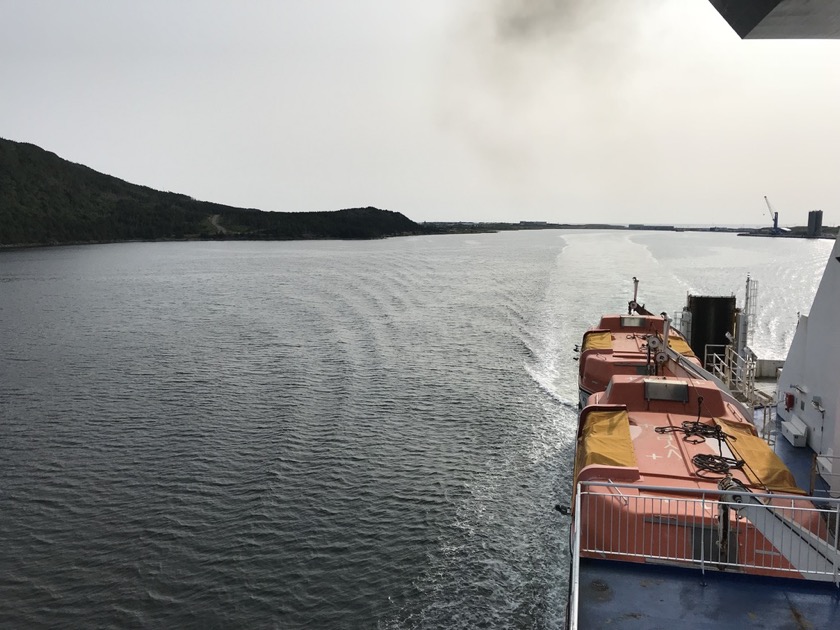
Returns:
point(701, 491)
point(804, 537)
point(574, 578)
point(828, 477)
point(735, 371)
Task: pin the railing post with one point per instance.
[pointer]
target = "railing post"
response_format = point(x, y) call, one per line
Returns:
point(836, 538)
point(703, 539)
point(575, 576)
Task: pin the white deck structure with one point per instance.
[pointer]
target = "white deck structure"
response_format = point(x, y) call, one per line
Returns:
point(809, 387)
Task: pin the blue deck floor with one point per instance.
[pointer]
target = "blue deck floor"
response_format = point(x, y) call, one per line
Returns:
point(798, 459)
point(623, 595)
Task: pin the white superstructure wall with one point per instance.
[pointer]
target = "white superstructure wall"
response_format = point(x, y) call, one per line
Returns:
point(812, 371)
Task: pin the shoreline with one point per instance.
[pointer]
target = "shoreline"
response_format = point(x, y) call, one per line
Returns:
point(440, 229)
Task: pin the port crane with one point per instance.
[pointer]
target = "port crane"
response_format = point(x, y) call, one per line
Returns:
point(774, 216)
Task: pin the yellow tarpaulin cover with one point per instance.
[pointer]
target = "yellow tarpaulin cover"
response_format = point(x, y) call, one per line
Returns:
point(678, 344)
point(605, 439)
point(763, 467)
point(597, 341)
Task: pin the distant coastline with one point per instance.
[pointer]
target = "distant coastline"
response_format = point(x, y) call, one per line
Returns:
point(432, 228)
point(455, 227)
point(46, 200)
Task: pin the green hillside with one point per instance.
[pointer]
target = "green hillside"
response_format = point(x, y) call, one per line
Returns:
point(45, 199)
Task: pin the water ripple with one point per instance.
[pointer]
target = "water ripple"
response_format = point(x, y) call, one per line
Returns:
point(300, 435)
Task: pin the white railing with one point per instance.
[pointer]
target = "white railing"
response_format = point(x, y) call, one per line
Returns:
point(737, 372)
point(693, 371)
point(574, 578)
point(768, 425)
point(713, 530)
point(824, 466)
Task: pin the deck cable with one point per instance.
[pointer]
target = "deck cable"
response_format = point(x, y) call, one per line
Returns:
point(716, 463)
point(696, 432)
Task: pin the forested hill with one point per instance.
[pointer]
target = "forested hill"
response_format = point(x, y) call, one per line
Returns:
point(45, 199)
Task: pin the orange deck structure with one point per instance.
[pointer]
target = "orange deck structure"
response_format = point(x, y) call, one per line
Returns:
point(628, 344)
point(666, 469)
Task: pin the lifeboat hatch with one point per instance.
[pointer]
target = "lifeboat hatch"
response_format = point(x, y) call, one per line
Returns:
point(630, 321)
point(676, 391)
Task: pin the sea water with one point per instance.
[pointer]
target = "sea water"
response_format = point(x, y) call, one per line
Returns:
point(320, 434)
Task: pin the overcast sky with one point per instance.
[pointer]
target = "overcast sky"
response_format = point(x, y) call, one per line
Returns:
point(597, 110)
